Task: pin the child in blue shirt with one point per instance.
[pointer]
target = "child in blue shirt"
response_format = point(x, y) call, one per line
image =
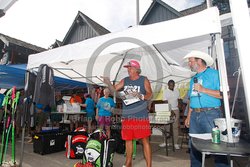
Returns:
point(90, 109)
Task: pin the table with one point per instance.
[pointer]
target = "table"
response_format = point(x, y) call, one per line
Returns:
point(229, 149)
point(162, 126)
point(69, 113)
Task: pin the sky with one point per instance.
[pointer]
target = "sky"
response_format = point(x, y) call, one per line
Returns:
point(41, 22)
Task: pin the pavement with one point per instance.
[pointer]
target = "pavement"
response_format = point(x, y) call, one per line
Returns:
point(179, 158)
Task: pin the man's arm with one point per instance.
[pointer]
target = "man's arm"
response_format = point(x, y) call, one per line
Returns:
point(210, 92)
point(113, 88)
point(187, 120)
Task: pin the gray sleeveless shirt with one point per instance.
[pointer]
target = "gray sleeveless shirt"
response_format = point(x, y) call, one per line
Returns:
point(138, 109)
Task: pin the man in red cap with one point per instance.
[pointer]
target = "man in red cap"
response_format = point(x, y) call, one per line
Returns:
point(135, 121)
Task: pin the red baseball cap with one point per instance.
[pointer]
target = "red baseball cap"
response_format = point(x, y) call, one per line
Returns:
point(133, 63)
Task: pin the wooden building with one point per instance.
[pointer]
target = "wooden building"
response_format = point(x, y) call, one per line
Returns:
point(15, 51)
point(81, 29)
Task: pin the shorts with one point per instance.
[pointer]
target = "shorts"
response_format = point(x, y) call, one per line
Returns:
point(135, 129)
point(90, 115)
point(104, 120)
point(74, 118)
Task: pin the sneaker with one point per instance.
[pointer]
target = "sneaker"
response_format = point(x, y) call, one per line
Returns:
point(177, 147)
point(162, 145)
point(30, 141)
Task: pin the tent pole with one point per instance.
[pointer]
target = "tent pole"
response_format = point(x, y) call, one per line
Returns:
point(224, 88)
point(137, 12)
point(209, 4)
point(241, 23)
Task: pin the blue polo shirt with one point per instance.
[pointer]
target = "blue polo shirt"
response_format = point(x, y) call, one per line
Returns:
point(208, 79)
point(104, 106)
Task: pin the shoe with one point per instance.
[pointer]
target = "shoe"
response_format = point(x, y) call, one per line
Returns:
point(162, 145)
point(177, 147)
point(30, 141)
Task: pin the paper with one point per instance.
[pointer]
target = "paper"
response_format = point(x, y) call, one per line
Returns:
point(204, 136)
point(162, 107)
point(128, 97)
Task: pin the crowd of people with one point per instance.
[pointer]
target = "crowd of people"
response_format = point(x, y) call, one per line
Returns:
point(203, 106)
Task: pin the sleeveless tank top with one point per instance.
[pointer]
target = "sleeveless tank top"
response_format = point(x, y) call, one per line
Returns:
point(138, 109)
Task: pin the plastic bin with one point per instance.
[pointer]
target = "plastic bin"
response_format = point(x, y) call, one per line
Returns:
point(236, 128)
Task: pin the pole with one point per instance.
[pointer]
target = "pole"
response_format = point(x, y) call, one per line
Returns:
point(137, 12)
point(241, 24)
point(209, 4)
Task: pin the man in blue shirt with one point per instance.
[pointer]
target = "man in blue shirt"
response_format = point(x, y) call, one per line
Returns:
point(205, 102)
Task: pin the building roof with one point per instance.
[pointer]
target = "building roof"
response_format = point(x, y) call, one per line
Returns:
point(12, 41)
point(56, 44)
point(154, 3)
point(81, 19)
point(194, 9)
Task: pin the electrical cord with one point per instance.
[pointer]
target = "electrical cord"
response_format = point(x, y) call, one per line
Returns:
point(199, 96)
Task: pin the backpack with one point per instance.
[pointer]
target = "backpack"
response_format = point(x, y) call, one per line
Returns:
point(99, 150)
point(76, 143)
point(116, 134)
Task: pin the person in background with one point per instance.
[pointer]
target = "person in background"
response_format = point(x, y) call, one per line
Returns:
point(90, 109)
point(204, 102)
point(40, 118)
point(135, 120)
point(104, 111)
point(56, 118)
point(74, 119)
point(171, 96)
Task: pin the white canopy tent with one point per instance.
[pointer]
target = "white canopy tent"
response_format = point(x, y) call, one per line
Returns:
point(157, 41)
point(158, 47)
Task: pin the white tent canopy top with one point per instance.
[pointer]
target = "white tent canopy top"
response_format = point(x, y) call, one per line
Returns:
point(158, 47)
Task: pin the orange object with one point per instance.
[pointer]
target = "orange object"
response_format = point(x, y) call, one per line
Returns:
point(75, 99)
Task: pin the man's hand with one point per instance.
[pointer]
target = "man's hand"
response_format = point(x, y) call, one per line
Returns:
point(198, 87)
point(187, 121)
point(139, 95)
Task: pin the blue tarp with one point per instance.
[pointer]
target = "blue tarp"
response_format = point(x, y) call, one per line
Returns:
point(14, 75)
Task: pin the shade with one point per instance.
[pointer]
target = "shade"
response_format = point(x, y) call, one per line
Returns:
point(14, 75)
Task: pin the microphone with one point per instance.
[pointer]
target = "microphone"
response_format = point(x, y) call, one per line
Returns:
point(196, 81)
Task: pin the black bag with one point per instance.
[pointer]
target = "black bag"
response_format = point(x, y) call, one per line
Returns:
point(76, 143)
point(116, 134)
point(49, 142)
